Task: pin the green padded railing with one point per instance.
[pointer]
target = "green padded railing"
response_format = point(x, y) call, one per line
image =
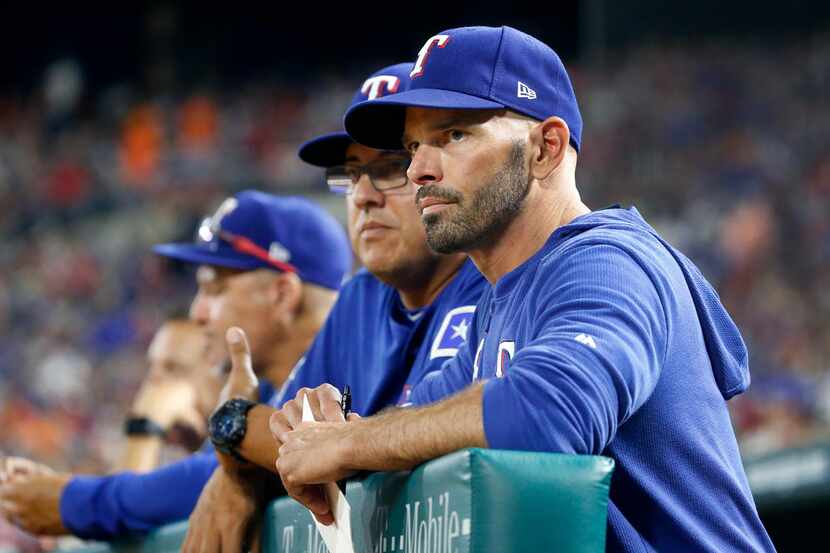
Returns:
point(471, 501)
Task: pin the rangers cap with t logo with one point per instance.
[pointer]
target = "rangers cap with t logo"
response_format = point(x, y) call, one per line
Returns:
point(473, 68)
point(329, 150)
point(253, 230)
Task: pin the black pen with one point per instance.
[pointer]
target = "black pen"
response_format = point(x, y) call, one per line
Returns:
point(346, 402)
point(346, 407)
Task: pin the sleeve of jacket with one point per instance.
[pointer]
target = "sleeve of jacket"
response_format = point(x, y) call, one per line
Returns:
point(109, 507)
point(594, 357)
point(457, 372)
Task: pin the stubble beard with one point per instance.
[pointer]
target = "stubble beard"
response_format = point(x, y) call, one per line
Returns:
point(482, 220)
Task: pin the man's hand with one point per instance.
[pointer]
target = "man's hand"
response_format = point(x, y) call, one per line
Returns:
point(31, 498)
point(397, 439)
point(302, 443)
point(228, 516)
point(170, 402)
point(324, 401)
point(167, 401)
point(19, 466)
point(242, 381)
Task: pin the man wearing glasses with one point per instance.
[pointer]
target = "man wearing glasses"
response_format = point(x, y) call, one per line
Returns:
point(270, 265)
point(396, 321)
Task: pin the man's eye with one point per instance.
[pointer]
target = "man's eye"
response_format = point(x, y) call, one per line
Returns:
point(456, 135)
point(353, 174)
point(412, 147)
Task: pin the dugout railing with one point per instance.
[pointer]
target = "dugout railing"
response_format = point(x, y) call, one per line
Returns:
point(471, 501)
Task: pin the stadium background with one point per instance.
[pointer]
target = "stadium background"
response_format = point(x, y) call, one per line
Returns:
point(120, 130)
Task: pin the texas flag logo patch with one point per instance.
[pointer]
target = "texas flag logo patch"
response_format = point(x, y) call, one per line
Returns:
point(453, 332)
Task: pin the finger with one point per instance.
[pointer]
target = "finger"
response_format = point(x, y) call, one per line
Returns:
point(314, 498)
point(9, 509)
point(279, 427)
point(332, 411)
point(242, 382)
point(187, 544)
point(9, 491)
point(329, 392)
point(192, 539)
point(19, 466)
point(293, 413)
point(232, 538)
point(354, 417)
point(324, 519)
point(255, 543)
point(211, 543)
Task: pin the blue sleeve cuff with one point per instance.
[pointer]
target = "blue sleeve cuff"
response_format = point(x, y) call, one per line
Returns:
point(496, 425)
point(78, 494)
point(509, 424)
point(108, 507)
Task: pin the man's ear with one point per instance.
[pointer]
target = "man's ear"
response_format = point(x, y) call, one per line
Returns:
point(549, 142)
point(287, 293)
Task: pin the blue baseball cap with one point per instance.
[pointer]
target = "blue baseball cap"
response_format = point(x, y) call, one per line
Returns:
point(254, 230)
point(473, 68)
point(329, 150)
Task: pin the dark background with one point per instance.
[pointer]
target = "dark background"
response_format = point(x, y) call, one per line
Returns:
point(674, 141)
point(232, 43)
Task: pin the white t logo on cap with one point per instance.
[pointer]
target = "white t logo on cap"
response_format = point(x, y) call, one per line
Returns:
point(224, 209)
point(373, 86)
point(437, 40)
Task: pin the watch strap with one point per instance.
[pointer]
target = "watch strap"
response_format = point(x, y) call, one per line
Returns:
point(143, 426)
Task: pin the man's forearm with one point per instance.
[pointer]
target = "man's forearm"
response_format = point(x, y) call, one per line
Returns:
point(141, 454)
point(259, 446)
point(399, 439)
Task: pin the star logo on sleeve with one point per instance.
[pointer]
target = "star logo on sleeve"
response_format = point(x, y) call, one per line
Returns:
point(453, 332)
point(460, 330)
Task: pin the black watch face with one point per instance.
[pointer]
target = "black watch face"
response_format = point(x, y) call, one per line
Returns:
point(229, 428)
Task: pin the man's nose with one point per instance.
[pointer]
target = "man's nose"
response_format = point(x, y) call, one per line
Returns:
point(199, 309)
point(364, 194)
point(425, 167)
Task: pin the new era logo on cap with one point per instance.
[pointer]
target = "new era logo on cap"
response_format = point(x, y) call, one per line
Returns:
point(526, 92)
point(474, 68)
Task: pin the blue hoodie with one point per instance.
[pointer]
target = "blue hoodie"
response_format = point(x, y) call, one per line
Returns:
point(609, 341)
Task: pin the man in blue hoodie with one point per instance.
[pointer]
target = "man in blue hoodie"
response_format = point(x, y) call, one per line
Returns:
point(596, 336)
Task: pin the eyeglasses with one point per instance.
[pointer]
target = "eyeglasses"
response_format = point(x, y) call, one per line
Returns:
point(384, 175)
point(209, 234)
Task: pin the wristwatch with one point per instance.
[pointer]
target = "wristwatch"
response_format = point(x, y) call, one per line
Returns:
point(142, 426)
point(228, 424)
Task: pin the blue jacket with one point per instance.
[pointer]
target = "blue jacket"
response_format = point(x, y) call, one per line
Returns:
point(609, 341)
point(369, 341)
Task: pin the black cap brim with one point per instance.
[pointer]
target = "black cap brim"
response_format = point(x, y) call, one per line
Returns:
point(380, 123)
point(327, 150)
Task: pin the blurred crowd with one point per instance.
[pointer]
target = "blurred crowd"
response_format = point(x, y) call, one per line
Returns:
point(722, 147)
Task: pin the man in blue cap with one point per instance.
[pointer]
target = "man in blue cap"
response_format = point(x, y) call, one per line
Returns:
point(395, 321)
point(596, 336)
point(268, 264)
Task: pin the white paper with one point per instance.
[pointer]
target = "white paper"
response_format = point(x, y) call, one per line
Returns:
point(337, 536)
